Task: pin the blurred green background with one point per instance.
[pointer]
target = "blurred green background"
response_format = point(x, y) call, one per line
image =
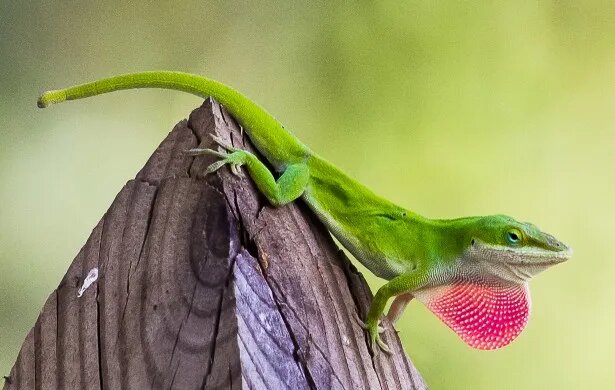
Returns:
point(448, 108)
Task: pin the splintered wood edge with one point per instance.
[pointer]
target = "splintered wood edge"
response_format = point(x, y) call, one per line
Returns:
point(201, 284)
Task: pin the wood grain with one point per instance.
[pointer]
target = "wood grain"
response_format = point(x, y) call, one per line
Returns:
point(203, 285)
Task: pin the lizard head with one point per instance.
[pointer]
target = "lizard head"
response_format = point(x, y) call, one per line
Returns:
point(486, 298)
point(512, 250)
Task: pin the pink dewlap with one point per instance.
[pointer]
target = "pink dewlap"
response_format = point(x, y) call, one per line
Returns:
point(485, 316)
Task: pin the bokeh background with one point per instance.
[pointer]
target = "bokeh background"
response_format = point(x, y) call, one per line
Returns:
point(450, 108)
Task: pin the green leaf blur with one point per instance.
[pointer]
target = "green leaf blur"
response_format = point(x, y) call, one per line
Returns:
point(447, 108)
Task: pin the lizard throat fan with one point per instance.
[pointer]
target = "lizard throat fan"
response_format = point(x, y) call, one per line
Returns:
point(484, 315)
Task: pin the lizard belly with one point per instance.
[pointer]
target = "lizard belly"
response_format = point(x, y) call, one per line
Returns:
point(370, 227)
point(376, 263)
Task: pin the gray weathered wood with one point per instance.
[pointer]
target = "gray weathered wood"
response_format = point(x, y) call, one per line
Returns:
point(202, 285)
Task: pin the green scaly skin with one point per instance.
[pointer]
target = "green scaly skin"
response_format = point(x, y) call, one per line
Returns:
point(410, 251)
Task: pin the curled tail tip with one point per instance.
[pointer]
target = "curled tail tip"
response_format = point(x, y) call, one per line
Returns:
point(50, 97)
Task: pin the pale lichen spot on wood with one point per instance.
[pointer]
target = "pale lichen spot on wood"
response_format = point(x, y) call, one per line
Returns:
point(87, 282)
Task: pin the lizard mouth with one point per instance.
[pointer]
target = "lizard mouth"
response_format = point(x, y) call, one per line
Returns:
point(536, 256)
point(524, 257)
point(516, 265)
point(533, 264)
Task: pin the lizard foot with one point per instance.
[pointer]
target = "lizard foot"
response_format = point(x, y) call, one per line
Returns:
point(374, 330)
point(363, 325)
point(232, 156)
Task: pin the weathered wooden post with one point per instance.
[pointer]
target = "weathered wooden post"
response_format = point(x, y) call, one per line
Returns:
point(200, 284)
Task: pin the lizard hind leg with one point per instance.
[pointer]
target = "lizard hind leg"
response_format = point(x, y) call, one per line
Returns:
point(398, 306)
point(289, 186)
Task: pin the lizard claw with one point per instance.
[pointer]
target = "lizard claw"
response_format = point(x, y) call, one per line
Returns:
point(235, 170)
point(385, 348)
point(363, 325)
point(375, 342)
point(233, 156)
point(222, 143)
point(356, 317)
point(200, 152)
point(215, 166)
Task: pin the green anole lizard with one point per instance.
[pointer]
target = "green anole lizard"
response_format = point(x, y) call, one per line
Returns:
point(471, 272)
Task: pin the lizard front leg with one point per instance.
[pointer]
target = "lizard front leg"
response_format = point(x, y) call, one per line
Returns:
point(289, 186)
point(401, 285)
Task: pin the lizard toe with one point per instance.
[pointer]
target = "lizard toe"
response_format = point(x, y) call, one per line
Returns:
point(222, 143)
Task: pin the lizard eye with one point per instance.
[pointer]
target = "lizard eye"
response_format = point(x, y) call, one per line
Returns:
point(514, 237)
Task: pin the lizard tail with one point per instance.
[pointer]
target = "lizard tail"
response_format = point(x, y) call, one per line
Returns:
point(278, 145)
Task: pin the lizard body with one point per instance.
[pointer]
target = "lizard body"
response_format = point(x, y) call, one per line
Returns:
point(471, 272)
